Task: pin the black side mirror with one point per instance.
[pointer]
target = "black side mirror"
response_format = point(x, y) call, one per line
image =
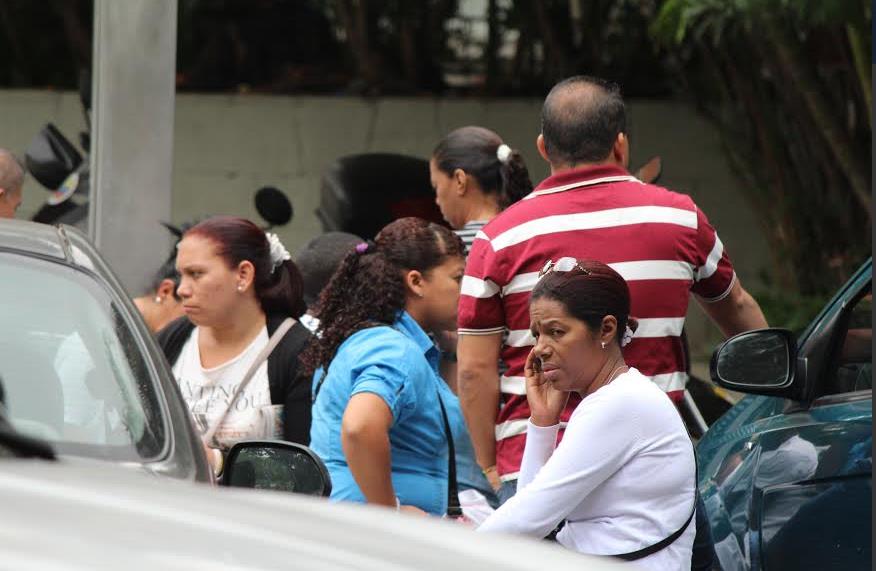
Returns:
point(276, 465)
point(760, 362)
point(273, 206)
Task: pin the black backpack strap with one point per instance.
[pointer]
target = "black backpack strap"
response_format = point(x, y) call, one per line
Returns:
point(454, 510)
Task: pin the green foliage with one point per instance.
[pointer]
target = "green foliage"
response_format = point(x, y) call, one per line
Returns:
point(789, 310)
point(784, 81)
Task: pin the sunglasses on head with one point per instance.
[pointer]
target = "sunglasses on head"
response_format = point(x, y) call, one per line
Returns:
point(564, 264)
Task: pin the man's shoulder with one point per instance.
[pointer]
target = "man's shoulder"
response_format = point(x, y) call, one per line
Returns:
point(662, 196)
point(627, 194)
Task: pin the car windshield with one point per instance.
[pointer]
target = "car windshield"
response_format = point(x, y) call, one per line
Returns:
point(71, 371)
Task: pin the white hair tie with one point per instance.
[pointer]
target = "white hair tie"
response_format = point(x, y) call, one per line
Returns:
point(503, 153)
point(628, 336)
point(279, 253)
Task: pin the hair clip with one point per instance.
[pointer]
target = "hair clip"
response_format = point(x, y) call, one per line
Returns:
point(365, 247)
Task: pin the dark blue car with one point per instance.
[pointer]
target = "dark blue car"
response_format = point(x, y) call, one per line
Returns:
point(786, 474)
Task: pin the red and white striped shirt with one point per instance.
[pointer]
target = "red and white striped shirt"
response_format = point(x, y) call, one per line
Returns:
point(658, 240)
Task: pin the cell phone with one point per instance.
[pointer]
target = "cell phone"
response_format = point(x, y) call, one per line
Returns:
point(536, 364)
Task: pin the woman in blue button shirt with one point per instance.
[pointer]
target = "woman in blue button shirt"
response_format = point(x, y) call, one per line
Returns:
point(377, 422)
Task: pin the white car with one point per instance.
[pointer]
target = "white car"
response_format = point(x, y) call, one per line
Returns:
point(78, 516)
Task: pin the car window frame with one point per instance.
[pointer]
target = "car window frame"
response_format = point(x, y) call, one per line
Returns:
point(821, 341)
point(831, 364)
point(124, 311)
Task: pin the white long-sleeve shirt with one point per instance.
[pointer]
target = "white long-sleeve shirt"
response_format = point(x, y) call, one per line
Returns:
point(623, 477)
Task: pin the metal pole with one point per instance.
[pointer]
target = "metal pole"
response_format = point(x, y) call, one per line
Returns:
point(133, 85)
point(695, 413)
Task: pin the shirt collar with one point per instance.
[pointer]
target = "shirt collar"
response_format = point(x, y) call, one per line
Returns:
point(409, 326)
point(581, 175)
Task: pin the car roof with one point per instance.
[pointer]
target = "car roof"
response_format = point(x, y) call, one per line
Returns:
point(33, 238)
point(78, 515)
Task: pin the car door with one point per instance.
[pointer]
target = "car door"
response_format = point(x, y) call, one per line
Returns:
point(812, 483)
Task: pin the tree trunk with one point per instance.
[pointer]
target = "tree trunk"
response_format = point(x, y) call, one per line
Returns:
point(408, 46)
point(554, 58)
point(492, 51)
point(860, 55)
point(76, 32)
point(354, 15)
point(19, 64)
point(804, 81)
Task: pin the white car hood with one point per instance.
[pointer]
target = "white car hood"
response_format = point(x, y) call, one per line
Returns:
point(77, 516)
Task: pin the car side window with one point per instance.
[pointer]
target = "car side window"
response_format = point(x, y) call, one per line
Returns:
point(852, 368)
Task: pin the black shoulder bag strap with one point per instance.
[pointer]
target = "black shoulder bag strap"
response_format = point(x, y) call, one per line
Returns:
point(454, 510)
point(645, 552)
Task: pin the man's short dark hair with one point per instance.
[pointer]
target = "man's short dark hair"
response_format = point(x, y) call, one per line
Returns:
point(319, 258)
point(581, 119)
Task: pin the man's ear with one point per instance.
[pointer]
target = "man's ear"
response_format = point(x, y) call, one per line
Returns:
point(539, 144)
point(460, 179)
point(621, 150)
point(414, 282)
point(166, 288)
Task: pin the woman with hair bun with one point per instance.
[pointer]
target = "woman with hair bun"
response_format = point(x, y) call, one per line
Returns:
point(241, 293)
point(622, 481)
point(379, 404)
point(475, 176)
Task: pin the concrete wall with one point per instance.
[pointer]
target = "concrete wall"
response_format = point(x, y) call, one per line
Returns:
point(227, 146)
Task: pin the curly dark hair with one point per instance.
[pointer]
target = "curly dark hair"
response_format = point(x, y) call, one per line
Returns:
point(368, 287)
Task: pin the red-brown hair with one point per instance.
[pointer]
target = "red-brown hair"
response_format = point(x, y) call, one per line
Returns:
point(280, 290)
point(589, 292)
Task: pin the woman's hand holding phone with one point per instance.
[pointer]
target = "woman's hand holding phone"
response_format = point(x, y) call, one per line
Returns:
point(545, 402)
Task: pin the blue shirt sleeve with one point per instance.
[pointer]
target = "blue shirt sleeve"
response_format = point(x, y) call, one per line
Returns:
point(382, 368)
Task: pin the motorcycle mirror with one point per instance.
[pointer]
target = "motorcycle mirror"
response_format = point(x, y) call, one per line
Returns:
point(650, 172)
point(174, 230)
point(50, 157)
point(273, 206)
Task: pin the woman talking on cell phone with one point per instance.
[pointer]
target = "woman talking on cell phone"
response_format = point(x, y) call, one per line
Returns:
point(622, 480)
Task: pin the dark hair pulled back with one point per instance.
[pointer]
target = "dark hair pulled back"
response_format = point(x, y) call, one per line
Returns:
point(368, 288)
point(279, 290)
point(474, 151)
point(589, 293)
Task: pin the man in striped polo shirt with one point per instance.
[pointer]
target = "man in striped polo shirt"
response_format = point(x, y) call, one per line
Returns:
point(589, 208)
